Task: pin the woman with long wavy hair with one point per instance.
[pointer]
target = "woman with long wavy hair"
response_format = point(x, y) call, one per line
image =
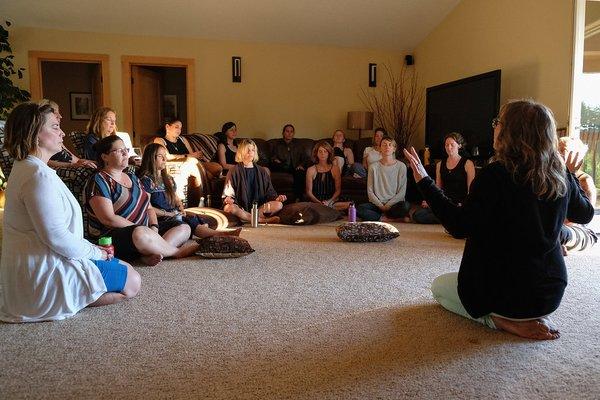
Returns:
point(512, 274)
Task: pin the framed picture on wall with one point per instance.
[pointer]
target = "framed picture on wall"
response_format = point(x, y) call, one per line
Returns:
point(81, 105)
point(170, 106)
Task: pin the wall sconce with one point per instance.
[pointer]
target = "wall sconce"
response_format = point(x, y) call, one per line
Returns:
point(236, 69)
point(372, 75)
point(360, 120)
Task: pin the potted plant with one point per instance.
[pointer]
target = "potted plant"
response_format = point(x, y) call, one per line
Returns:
point(9, 93)
point(398, 105)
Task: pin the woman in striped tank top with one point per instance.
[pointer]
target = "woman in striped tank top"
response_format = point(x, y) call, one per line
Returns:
point(323, 182)
point(119, 207)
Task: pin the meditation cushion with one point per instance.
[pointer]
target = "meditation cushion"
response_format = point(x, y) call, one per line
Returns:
point(366, 232)
point(307, 213)
point(223, 247)
point(216, 219)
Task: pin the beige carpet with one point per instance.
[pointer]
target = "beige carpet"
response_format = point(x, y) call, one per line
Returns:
point(305, 317)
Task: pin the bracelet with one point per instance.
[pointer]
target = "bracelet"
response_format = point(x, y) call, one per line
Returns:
point(154, 226)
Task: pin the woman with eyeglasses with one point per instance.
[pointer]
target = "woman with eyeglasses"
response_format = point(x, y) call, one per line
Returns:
point(453, 175)
point(119, 207)
point(48, 270)
point(512, 274)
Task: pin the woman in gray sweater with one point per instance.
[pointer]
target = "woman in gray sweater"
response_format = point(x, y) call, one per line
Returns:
point(386, 187)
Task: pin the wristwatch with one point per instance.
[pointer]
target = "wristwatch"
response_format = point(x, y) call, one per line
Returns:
point(154, 226)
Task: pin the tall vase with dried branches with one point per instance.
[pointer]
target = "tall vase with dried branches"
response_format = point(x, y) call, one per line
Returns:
point(398, 105)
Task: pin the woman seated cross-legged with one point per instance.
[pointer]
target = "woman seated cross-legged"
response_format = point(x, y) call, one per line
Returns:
point(119, 207)
point(194, 164)
point(48, 270)
point(344, 157)
point(248, 183)
point(323, 180)
point(454, 175)
point(161, 187)
point(386, 187)
point(512, 274)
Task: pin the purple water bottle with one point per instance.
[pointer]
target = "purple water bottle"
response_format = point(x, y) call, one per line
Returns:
point(351, 213)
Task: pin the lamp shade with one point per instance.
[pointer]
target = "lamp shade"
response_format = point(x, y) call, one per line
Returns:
point(360, 120)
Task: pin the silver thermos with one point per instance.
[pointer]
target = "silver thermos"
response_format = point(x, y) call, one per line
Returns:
point(255, 215)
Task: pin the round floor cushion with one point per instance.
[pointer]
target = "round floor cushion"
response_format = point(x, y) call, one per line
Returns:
point(215, 218)
point(366, 232)
point(223, 247)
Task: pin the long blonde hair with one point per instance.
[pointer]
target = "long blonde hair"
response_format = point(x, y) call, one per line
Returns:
point(527, 147)
point(95, 122)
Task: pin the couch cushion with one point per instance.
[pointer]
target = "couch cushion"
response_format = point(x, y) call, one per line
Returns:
point(307, 213)
point(223, 247)
point(206, 143)
point(367, 232)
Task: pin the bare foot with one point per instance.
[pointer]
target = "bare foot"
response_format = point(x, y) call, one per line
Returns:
point(540, 329)
point(189, 248)
point(269, 220)
point(233, 232)
point(152, 259)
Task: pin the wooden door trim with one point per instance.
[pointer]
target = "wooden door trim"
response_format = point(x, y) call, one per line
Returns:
point(35, 69)
point(187, 63)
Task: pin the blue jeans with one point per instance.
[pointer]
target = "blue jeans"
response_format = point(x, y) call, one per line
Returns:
point(370, 212)
point(424, 216)
point(357, 168)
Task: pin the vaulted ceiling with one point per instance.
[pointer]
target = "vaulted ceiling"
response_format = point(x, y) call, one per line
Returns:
point(380, 24)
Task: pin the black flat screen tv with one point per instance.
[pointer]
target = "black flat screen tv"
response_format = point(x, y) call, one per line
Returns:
point(466, 106)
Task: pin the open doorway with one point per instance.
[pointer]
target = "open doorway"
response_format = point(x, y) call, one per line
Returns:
point(585, 107)
point(77, 82)
point(155, 88)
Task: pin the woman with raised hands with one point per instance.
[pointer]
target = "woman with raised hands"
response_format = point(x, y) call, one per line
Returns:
point(512, 274)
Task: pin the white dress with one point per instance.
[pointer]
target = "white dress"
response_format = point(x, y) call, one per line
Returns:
point(45, 270)
point(373, 155)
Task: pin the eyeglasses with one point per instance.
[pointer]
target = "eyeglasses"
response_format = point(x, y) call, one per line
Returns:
point(123, 151)
point(495, 122)
point(112, 121)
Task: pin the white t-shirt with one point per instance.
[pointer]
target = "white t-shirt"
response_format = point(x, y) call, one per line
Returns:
point(372, 154)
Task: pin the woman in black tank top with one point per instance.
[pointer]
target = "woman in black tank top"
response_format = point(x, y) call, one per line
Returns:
point(454, 175)
point(227, 147)
point(323, 181)
point(194, 163)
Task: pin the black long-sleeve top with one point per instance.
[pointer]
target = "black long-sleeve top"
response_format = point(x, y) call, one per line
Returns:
point(236, 186)
point(512, 263)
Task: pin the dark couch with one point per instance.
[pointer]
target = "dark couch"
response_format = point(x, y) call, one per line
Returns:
point(354, 189)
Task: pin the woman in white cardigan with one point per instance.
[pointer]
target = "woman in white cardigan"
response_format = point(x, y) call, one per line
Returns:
point(48, 271)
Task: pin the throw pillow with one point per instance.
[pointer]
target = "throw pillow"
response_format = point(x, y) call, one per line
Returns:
point(223, 247)
point(307, 213)
point(367, 232)
point(216, 219)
